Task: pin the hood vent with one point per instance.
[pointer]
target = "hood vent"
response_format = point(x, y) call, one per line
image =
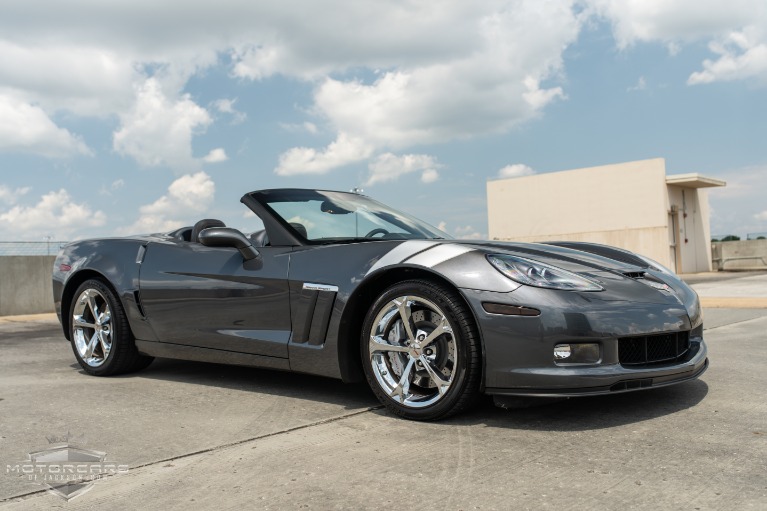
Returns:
point(647, 279)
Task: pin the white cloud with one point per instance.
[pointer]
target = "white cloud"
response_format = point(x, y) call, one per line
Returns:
point(27, 128)
point(429, 176)
point(467, 232)
point(490, 84)
point(451, 69)
point(215, 156)
point(187, 196)
point(91, 80)
point(308, 127)
point(226, 106)
point(735, 208)
point(736, 31)
point(158, 130)
point(639, 86)
point(305, 160)
point(116, 185)
point(515, 170)
point(761, 216)
point(741, 55)
point(673, 21)
point(256, 62)
point(389, 167)
point(55, 214)
point(11, 196)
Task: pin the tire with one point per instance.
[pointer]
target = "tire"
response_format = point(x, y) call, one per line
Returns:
point(431, 370)
point(100, 334)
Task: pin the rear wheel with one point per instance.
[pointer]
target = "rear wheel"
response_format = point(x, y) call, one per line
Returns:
point(420, 351)
point(101, 338)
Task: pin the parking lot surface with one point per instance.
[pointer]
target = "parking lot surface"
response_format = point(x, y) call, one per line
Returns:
point(205, 436)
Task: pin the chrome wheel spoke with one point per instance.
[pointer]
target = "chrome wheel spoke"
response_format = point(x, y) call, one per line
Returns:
point(442, 327)
point(106, 345)
point(402, 389)
point(406, 314)
point(88, 353)
point(93, 307)
point(413, 351)
point(91, 327)
point(80, 322)
point(442, 385)
point(378, 344)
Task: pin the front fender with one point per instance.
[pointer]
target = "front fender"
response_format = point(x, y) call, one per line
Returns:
point(115, 261)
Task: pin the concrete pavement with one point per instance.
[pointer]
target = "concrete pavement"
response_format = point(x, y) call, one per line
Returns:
point(747, 291)
point(204, 436)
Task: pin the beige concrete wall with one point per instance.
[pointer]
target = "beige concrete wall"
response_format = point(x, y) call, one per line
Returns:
point(624, 205)
point(740, 255)
point(694, 231)
point(648, 242)
point(25, 284)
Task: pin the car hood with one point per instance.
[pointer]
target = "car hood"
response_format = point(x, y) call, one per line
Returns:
point(577, 261)
point(628, 278)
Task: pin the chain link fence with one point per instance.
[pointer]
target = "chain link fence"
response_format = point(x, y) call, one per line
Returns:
point(27, 248)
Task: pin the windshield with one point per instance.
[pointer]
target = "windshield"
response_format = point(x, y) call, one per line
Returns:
point(320, 216)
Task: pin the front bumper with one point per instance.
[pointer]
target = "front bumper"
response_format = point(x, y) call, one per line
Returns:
point(608, 380)
point(518, 351)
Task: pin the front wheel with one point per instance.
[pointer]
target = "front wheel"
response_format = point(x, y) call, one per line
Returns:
point(420, 351)
point(101, 337)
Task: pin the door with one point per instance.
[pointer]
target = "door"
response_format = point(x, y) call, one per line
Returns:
point(210, 297)
point(673, 240)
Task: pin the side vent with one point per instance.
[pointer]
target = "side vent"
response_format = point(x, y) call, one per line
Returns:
point(315, 304)
point(137, 299)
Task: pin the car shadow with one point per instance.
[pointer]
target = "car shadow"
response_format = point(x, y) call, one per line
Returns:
point(250, 379)
point(590, 412)
point(575, 414)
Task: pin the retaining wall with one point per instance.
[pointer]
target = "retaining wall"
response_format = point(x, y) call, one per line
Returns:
point(739, 255)
point(25, 284)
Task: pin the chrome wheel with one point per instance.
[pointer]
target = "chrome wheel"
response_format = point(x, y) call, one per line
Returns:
point(92, 327)
point(413, 351)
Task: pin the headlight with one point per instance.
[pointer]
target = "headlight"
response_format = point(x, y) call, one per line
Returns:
point(534, 273)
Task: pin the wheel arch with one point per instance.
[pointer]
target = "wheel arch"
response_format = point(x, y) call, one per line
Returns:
point(74, 282)
point(360, 301)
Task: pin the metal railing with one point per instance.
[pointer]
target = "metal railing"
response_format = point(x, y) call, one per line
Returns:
point(756, 236)
point(26, 248)
point(724, 237)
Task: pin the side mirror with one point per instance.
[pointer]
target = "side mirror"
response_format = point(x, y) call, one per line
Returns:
point(228, 237)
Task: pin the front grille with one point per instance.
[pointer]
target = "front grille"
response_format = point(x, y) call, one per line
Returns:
point(653, 349)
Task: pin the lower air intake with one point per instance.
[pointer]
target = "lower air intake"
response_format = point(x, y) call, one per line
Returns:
point(653, 349)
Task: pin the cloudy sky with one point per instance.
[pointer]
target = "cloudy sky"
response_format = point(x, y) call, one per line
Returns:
point(135, 116)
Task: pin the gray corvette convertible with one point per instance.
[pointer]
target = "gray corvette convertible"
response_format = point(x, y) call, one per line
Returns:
point(339, 285)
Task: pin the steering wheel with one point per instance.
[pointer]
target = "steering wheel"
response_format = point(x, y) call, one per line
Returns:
point(377, 230)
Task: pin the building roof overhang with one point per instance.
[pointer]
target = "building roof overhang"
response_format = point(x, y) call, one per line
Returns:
point(694, 180)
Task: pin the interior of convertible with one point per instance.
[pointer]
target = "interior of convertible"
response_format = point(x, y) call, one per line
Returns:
point(318, 217)
point(192, 233)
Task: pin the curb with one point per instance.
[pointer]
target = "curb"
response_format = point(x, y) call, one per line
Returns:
point(733, 303)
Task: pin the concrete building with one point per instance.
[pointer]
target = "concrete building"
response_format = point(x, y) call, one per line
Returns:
point(632, 205)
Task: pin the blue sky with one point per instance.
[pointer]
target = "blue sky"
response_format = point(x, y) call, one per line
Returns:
point(125, 117)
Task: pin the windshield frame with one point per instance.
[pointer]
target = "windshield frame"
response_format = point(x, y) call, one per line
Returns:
point(264, 198)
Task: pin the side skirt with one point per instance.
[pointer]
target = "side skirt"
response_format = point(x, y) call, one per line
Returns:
point(179, 351)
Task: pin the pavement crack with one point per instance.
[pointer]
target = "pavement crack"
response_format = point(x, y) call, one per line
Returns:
point(260, 437)
point(321, 422)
